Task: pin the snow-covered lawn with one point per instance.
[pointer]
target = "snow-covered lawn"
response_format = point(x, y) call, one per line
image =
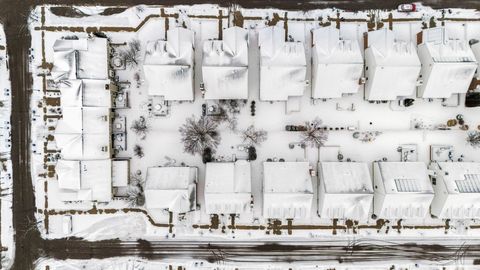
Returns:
point(6, 184)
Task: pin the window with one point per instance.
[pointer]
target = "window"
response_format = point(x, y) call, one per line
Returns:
point(471, 184)
point(407, 185)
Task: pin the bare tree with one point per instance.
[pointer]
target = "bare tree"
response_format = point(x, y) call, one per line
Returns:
point(473, 138)
point(138, 151)
point(131, 54)
point(199, 134)
point(140, 127)
point(252, 136)
point(135, 194)
point(314, 134)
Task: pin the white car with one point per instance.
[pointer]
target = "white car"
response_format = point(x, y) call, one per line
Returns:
point(407, 8)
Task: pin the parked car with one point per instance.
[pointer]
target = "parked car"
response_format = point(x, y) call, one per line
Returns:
point(407, 8)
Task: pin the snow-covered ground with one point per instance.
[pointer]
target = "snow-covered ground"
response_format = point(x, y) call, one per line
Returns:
point(130, 263)
point(118, 219)
point(6, 184)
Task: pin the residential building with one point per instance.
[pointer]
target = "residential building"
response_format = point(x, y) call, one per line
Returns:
point(228, 188)
point(225, 65)
point(392, 66)
point(287, 190)
point(168, 66)
point(171, 189)
point(448, 65)
point(402, 190)
point(283, 67)
point(345, 190)
point(457, 190)
point(337, 64)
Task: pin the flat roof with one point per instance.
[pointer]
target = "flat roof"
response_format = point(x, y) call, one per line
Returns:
point(287, 177)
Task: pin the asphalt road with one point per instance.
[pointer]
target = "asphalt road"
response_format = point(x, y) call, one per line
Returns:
point(14, 14)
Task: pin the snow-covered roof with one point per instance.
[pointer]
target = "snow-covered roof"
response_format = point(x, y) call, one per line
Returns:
point(84, 146)
point(87, 120)
point(404, 177)
point(85, 180)
point(476, 51)
point(460, 177)
point(168, 65)
point(337, 64)
point(171, 188)
point(85, 58)
point(345, 190)
point(287, 190)
point(227, 187)
point(448, 65)
point(402, 190)
point(120, 173)
point(84, 133)
point(345, 177)
point(85, 93)
point(225, 65)
point(391, 66)
point(283, 66)
point(457, 190)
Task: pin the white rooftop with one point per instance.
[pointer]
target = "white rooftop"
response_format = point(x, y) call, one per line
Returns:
point(171, 188)
point(461, 177)
point(337, 64)
point(402, 190)
point(84, 133)
point(391, 66)
point(85, 93)
point(228, 187)
point(345, 177)
point(283, 67)
point(405, 177)
point(287, 190)
point(85, 180)
point(448, 64)
point(85, 58)
point(225, 65)
point(457, 190)
point(476, 51)
point(345, 190)
point(168, 65)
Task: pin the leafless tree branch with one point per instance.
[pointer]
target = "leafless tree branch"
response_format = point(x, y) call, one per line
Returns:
point(196, 135)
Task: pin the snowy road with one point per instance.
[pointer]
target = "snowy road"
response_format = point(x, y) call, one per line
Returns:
point(248, 252)
point(14, 15)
